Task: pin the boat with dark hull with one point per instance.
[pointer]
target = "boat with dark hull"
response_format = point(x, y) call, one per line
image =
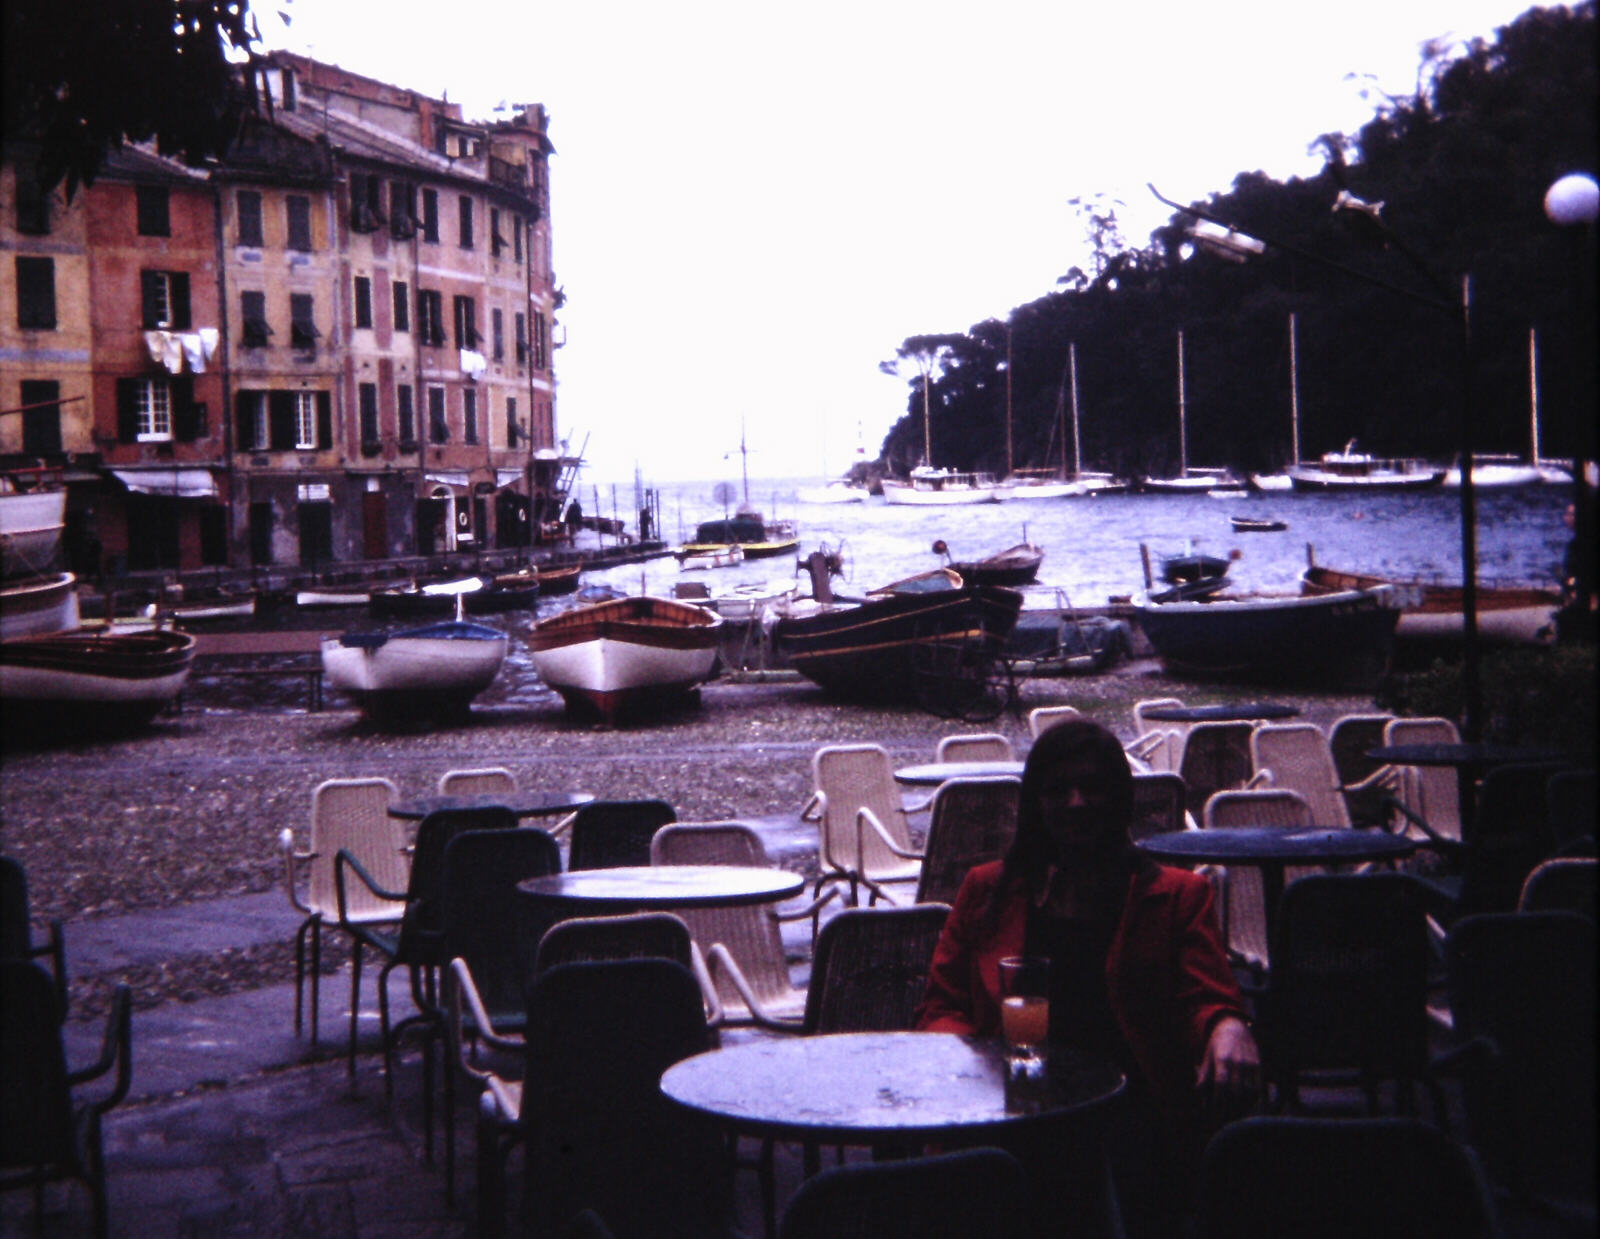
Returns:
point(93, 681)
point(755, 538)
point(480, 596)
point(1016, 565)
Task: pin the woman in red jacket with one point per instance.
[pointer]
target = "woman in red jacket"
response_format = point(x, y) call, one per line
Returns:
point(1138, 971)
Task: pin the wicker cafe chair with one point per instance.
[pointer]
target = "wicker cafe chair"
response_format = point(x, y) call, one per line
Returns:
point(1350, 737)
point(486, 781)
point(971, 1192)
point(350, 815)
point(1215, 757)
point(1564, 884)
point(1046, 717)
point(1297, 756)
point(747, 965)
point(1159, 804)
point(1244, 910)
point(972, 821)
point(609, 834)
point(1331, 1178)
point(16, 927)
point(1158, 744)
point(871, 967)
point(1429, 793)
point(988, 746)
point(865, 836)
point(46, 1134)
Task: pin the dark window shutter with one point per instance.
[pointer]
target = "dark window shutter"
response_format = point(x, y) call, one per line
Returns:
point(150, 298)
point(280, 420)
point(244, 417)
point(178, 290)
point(128, 409)
point(185, 413)
point(324, 420)
point(41, 427)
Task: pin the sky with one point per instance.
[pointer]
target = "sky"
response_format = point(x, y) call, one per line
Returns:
point(753, 204)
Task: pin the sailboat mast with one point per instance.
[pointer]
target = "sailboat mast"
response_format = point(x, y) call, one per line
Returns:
point(744, 462)
point(1077, 448)
point(1533, 396)
point(1010, 460)
point(1294, 391)
point(1183, 417)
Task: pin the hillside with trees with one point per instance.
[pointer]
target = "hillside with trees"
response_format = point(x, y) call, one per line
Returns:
point(1461, 168)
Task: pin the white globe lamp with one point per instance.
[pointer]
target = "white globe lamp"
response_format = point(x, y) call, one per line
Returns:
point(1574, 199)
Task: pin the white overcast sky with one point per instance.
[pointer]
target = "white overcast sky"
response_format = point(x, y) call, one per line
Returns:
point(754, 203)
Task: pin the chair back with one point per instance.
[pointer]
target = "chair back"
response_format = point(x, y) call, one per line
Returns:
point(1431, 792)
point(422, 928)
point(1510, 835)
point(1330, 1178)
point(632, 935)
point(599, 1133)
point(1349, 979)
point(611, 834)
point(486, 781)
point(1298, 757)
point(851, 777)
point(1524, 983)
point(971, 1192)
point(871, 967)
point(1215, 758)
point(39, 1129)
point(1160, 801)
point(353, 815)
point(1570, 800)
point(972, 821)
point(987, 746)
point(1044, 718)
point(1167, 753)
point(487, 922)
point(1566, 884)
point(1350, 738)
point(16, 931)
point(1244, 908)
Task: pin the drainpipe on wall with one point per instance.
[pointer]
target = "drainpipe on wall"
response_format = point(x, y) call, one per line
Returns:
point(225, 351)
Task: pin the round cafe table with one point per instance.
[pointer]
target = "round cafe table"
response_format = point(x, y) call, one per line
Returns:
point(644, 888)
point(931, 774)
point(1241, 712)
point(1470, 759)
point(523, 804)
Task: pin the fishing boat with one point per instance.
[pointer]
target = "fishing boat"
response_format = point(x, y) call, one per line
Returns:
point(927, 486)
point(32, 515)
point(436, 669)
point(89, 681)
point(331, 599)
point(200, 610)
point(480, 596)
point(915, 641)
point(1433, 613)
point(723, 557)
point(1351, 470)
point(562, 579)
point(1257, 524)
point(35, 605)
point(756, 538)
point(1016, 565)
point(627, 654)
point(1341, 639)
point(1188, 576)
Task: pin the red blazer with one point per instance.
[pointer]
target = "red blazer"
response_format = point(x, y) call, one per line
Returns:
point(1167, 975)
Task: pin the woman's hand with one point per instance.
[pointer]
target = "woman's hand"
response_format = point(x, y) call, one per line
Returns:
point(1229, 1078)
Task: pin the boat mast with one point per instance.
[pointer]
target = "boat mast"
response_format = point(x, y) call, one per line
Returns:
point(1183, 416)
point(1010, 460)
point(1533, 395)
point(1294, 391)
point(1077, 451)
point(744, 462)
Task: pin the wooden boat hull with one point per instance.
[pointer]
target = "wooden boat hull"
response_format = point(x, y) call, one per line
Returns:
point(38, 606)
point(627, 654)
point(887, 647)
point(328, 599)
point(1252, 524)
point(556, 581)
point(30, 529)
point(434, 669)
point(1343, 639)
point(93, 681)
point(1514, 615)
point(723, 557)
point(488, 599)
point(1016, 565)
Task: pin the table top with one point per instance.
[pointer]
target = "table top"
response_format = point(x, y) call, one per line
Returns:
point(1464, 753)
point(523, 804)
point(882, 1085)
point(1247, 844)
point(1243, 712)
point(666, 886)
point(933, 773)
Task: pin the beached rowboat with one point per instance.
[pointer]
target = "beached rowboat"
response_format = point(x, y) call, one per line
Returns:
point(1430, 612)
point(91, 680)
point(435, 669)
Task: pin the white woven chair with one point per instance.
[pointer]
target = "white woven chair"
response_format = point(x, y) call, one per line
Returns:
point(1158, 744)
point(1046, 717)
point(482, 782)
point(1244, 910)
point(988, 746)
point(1430, 792)
point(865, 835)
point(1298, 757)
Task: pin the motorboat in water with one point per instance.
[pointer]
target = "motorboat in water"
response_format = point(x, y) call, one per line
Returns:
point(1016, 565)
point(1358, 471)
point(756, 538)
point(927, 486)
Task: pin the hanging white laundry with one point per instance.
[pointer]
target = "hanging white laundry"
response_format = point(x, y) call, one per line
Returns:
point(172, 352)
point(209, 339)
point(155, 343)
point(193, 352)
point(473, 363)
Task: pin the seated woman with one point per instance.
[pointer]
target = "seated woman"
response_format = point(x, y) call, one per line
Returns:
point(1138, 970)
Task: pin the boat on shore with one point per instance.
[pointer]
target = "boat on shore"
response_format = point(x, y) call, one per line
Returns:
point(555, 581)
point(1357, 471)
point(1431, 612)
point(224, 606)
point(1016, 565)
point(927, 486)
point(436, 669)
point(93, 681)
point(33, 606)
point(626, 655)
point(32, 515)
point(480, 596)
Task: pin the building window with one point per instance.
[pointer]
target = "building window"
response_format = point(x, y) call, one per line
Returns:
point(41, 417)
point(366, 202)
point(430, 316)
point(305, 421)
point(496, 241)
point(469, 415)
point(253, 312)
point(540, 342)
point(164, 297)
point(302, 322)
point(154, 219)
point(402, 305)
point(430, 216)
point(36, 293)
point(367, 401)
point(402, 209)
point(249, 204)
point(520, 325)
point(497, 332)
point(154, 409)
point(33, 204)
point(406, 412)
point(438, 429)
point(466, 322)
point(466, 222)
point(363, 301)
point(254, 428)
point(511, 421)
point(299, 209)
point(516, 238)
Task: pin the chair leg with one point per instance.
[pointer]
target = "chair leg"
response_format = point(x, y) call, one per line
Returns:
point(355, 1001)
point(299, 972)
point(428, 1037)
point(384, 1031)
point(448, 1066)
point(491, 1182)
point(316, 977)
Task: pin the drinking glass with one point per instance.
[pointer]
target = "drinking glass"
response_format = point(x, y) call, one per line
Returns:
point(1025, 1011)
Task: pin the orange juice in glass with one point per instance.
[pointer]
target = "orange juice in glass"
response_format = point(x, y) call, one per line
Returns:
point(1025, 1010)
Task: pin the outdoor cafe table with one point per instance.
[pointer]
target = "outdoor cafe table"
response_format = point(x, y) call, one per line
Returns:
point(931, 774)
point(523, 804)
point(1241, 712)
point(644, 888)
point(1471, 759)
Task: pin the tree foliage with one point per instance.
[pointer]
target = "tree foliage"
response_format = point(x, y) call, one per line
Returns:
point(85, 76)
point(1461, 167)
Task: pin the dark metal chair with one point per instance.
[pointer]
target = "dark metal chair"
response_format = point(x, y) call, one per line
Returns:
point(1331, 1178)
point(1570, 801)
point(971, 821)
point(635, 935)
point(1160, 804)
point(1216, 758)
point(16, 927)
point(871, 967)
point(610, 834)
point(972, 1192)
point(45, 1135)
point(1563, 884)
